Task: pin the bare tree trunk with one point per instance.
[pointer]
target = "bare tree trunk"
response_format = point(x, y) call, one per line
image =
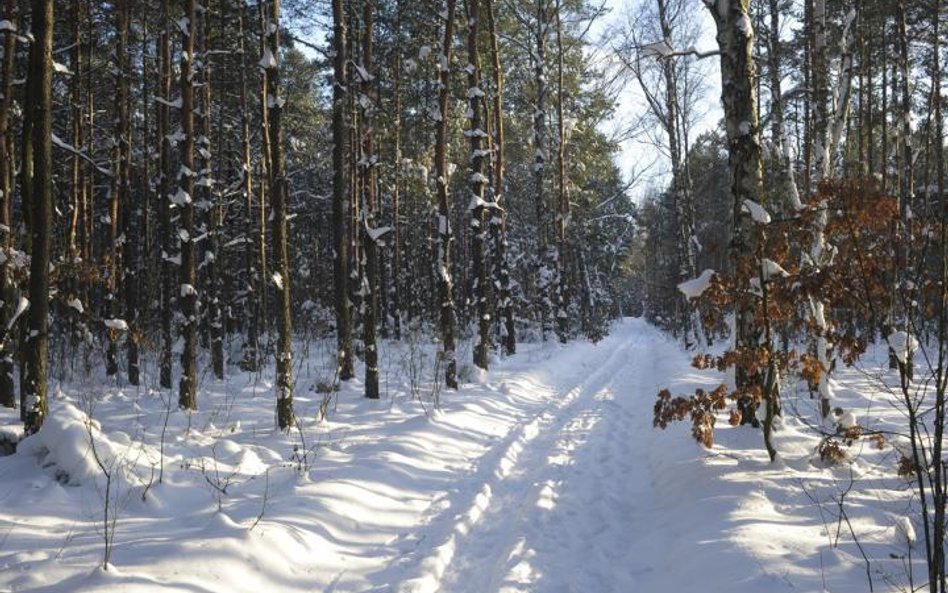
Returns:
point(478, 207)
point(131, 224)
point(40, 82)
point(397, 177)
point(735, 38)
point(545, 280)
point(208, 201)
point(368, 161)
point(251, 355)
point(906, 172)
point(187, 297)
point(561, 263)
point(681, 186)
point(445, 236)
point(279, 196)
point(499, 220)
point(937, 563)
point(7, 170)
point(340, 196)
point(784, 166)
point(120, 181)
point(168, 294)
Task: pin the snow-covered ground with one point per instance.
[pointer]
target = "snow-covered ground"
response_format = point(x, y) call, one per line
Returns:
point(542, 475)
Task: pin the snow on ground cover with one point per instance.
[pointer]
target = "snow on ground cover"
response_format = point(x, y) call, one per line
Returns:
point(542, 475)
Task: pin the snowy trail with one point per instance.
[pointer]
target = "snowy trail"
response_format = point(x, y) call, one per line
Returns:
point(543, 475)
point(569, 506)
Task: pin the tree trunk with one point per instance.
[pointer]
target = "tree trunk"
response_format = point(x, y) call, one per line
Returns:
point(39, 81)
point(187, 297)
point(367, 165)
point(120, 182)
point(168, 293)
point(499, 220)
point(208, 199)
point(340, 195)
point(7, 171)
point(545, 280)
point(448, 319)
point(735, 38)
point(478, 207)
point(251, 355)
point(784, 164)
point(560, 261)
point(279, 196)
point(131, 219)
point(397, 177)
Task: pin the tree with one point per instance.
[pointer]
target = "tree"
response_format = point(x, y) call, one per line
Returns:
point(370, 234)
point(735, 35)
point(165, 200)
point(498, 222)
point(7, 172)
point(40, 88)
point(279, 197)
point(478, 206)
point(340, 191)
point(187, 297)
point(448, 320)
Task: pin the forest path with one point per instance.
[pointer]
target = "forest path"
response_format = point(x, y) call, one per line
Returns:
point(566, 501)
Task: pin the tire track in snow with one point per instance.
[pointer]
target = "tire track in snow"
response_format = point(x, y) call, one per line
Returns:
point(430, 563)
point(580, 514)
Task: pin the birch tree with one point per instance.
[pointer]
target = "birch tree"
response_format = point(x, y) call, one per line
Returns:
point(735, 35)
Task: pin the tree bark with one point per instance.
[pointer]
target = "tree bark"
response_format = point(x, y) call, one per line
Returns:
point(735, 38)
point(367, 166)
point(251, 355)
point(120, 182)
point(499, 220)
point(560, 261)
point(448, 319)
point(39, 80)
point(168, 295)
point(187, 297)
point(340, 193)
point(279, 196)
point(478, 207)
point(7, 171)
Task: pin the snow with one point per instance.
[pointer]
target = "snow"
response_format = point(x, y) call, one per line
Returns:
point(378, 232)
point(181, 197)
point(116, 324)
point(744, 25)
point(695, 287)
point(659, 49)
point(268, 60)
point(76, 304)
point(22, 305)
point(770, 268)
point(903, 345)
point(847, 421)
point(758, 213)
point(543, 475)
